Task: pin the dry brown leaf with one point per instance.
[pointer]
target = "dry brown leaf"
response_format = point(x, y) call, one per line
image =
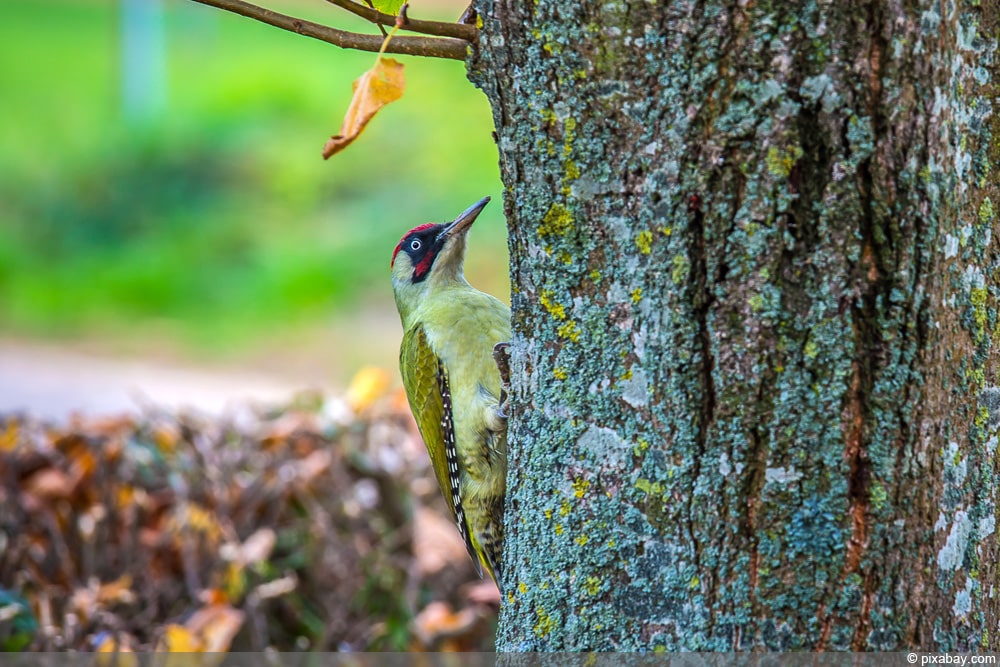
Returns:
point(215, 626)
point(178, 639)
point(49, 483)
point(9, 437)
point(258, 547)
point(312, 466)
point(122, 653)
point(119, 590)
point(382, 84)
point(436, 543)
point(483, 592)
point(437, 623)
point(366, 387)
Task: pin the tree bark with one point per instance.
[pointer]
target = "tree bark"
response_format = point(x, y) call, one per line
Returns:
point(754, 274)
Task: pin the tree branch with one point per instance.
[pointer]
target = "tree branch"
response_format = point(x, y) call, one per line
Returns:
point(433, 47)
point(439, 28)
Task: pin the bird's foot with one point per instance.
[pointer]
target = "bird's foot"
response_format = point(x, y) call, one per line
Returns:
point(501, 355)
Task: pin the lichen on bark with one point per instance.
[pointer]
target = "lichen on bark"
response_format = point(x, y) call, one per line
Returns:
point(754, 298)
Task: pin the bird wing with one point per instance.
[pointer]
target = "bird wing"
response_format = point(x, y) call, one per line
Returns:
point(428, 391)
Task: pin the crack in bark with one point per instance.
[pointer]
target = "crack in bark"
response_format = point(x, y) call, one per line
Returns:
point(874, 275)
point(702, 300)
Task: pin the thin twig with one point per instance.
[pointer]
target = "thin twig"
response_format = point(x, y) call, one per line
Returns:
point(439, 28)
point(432, 47)
point(381, 28)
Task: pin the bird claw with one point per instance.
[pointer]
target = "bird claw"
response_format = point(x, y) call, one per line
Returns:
point(501, 355)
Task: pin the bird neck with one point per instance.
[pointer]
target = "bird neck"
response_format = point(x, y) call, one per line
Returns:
point(413, 299)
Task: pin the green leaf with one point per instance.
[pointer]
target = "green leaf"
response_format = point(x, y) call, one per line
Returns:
point(388, 6)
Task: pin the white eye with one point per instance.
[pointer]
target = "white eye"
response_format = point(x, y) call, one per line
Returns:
point(415, 244)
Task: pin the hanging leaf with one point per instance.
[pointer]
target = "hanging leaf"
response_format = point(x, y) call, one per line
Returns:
point(382, 84)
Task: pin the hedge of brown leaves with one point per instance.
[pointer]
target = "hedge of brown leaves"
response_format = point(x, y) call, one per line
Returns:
point(308, 528)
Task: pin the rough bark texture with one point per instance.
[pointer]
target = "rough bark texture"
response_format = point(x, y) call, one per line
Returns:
point(755, 300)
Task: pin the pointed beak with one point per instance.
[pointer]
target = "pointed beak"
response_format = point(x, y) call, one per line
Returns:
point(465, 220)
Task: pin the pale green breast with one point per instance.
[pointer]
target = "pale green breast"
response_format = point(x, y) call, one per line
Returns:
point(461, 325)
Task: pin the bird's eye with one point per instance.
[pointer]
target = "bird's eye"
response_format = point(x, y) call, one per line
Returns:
point(415, 244)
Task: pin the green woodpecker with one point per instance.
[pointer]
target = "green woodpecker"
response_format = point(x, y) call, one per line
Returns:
point(452, 381)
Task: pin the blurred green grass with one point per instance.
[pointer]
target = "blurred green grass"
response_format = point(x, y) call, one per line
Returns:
point(218, 222)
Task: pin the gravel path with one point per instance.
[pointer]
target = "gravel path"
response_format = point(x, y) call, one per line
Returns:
point(54, 383)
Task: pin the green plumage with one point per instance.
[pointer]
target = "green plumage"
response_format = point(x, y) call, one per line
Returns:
point(452, 381)
point(452, 343)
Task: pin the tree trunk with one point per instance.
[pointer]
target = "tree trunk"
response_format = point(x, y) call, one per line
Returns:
point(754, 300)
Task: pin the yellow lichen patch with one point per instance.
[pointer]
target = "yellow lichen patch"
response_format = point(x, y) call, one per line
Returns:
point(559, 373)
point(647, 487)
point(580, 487)
point(978, 296)
point(548, 115)
point(565, 257)
point(564, 508)
point(681, 269)
point(523, 587)
point(558, 529)
point(627, 375)
point(569, 331)
point(644, 241)
point(982, 417)
point(570, 126)
point(545, 624)
point(595, 275)
point(557, 221)
point(780, 162)
point(636, 295)
point(592, 585)
point(640, 448)
point(582, 540)
point(555, 309)
point(572, 170)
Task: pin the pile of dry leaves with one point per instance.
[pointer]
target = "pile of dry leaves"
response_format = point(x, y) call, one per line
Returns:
point(314, 527)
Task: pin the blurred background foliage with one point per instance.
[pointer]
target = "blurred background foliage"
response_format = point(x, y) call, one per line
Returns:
point(202, 218)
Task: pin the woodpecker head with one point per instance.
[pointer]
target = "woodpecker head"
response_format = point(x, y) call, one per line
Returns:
point(429, 256)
